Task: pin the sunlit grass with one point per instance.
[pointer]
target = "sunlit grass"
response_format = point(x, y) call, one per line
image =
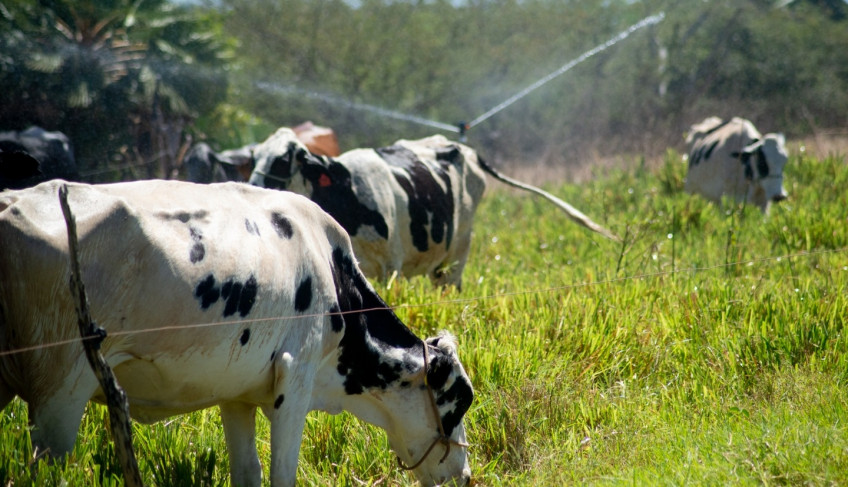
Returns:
point(707, 348)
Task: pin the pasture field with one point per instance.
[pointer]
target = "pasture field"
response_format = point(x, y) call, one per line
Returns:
point(707, 348)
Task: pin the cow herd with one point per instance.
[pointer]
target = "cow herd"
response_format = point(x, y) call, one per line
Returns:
point(275, 272)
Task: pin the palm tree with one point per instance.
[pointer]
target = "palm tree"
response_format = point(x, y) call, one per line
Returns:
point(122, 78)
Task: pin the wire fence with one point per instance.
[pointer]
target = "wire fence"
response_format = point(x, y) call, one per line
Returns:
point(473, 299)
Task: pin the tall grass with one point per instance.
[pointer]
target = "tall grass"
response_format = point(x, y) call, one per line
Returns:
point(707, 348)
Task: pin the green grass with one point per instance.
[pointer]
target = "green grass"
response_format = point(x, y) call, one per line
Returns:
point(708, 348)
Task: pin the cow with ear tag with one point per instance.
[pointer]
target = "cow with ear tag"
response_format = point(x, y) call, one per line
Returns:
point(731, 158)
point(409, 207)
point(222, 294)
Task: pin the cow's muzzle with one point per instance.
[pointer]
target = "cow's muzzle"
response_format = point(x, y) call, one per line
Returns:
point(779, 197)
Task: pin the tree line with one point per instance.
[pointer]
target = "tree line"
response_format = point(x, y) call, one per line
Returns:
point(134, 83)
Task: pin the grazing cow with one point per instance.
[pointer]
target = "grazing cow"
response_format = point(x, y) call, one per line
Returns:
point(408, 208)
point(33, 156)
point(222, 294)
point(732, 158)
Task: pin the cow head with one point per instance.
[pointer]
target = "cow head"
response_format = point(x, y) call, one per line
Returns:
point(284, 162)
point(428, 435)
point(278, 160)
point(763, 162)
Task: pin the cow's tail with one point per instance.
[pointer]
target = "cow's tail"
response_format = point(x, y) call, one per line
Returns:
point(571, 211)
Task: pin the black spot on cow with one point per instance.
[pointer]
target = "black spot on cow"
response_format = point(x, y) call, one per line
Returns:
point(207, 292)
point(303, 295)
point(439, 370)
point(282, 225)
point(336, 320)
point(239, 297)
point(273, 354)
point(279, 401)
point(332, 190)
point(248, 296)
point(252, 227)
point(245, 336)
point(431, 204)
point(231, 292)
point(368, 333)
point(198, 251)
point(710, 150)
point(461, 395)
point(762, 163)
point(183, 216)
point(745, 159)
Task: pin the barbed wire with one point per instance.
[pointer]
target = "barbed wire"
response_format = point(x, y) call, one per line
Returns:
point(473, 299)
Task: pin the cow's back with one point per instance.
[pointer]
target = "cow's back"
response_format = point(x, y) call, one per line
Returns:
point(440, 204)
point(166, 255)
point(715, 168)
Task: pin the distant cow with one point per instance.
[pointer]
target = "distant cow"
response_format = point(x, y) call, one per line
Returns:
point(222, 294)
point(732, 158)
point(203, 165)
point(33, 156)
point(408, 208)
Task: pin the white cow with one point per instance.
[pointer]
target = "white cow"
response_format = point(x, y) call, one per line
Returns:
point(732, 158)
point(409, 208)
point(273, 281)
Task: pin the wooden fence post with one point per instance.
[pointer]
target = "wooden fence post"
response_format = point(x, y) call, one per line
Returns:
point(92, 336)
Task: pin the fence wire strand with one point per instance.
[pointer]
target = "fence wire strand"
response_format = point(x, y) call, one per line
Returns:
point(473, 299)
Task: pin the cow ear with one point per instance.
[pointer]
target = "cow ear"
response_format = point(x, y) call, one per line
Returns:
point(438, 370)
point(444, 341)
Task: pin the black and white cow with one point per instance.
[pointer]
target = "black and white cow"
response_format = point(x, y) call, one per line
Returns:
point(222, 294)
point(731, 158)
point(204, 165)
point(408, 208)
point(34, 156)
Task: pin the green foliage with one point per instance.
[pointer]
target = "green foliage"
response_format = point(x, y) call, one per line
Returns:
point(452, 61)
point(111, 74)
point(708, 348)
point(129, 81)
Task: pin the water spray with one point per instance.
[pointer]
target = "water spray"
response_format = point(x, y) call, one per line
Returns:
point(292, 90)
point(462, 128)
point(654, 19)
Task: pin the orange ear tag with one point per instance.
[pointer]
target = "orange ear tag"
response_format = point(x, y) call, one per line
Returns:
point(324, 181)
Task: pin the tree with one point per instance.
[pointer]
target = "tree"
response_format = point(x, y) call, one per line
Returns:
point(121, 78)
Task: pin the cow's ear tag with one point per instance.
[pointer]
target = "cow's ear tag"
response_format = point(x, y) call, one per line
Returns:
point(324, 181)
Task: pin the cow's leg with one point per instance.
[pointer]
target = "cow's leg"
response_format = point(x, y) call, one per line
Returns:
point(56, 419)
point(450, 271)
point(292, 396)
point(240, 432)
